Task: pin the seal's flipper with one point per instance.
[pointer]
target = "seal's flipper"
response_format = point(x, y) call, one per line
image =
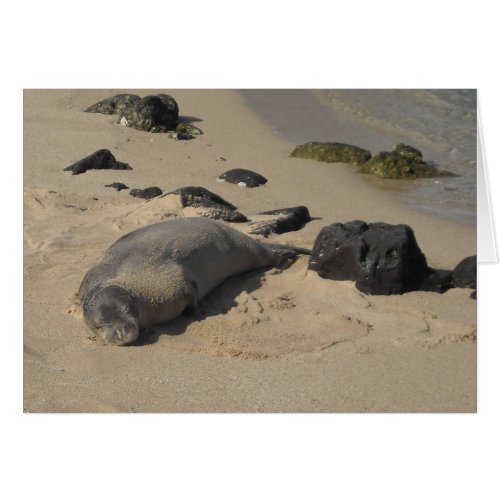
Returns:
point(192, 297)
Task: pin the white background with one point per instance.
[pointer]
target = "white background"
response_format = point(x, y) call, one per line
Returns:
point(356, 44)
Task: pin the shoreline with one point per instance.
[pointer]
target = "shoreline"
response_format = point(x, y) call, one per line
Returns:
point(330, 349)
point(348, 188)
point(300, 116)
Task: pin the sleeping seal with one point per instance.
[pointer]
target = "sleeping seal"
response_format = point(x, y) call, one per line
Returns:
point(154, 273)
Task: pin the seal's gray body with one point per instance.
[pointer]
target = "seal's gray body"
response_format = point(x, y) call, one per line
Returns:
point(157, 271)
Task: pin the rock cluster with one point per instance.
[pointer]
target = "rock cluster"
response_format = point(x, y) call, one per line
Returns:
point(153, 113)
point(403, 162)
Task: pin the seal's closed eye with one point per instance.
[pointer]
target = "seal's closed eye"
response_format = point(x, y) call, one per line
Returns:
point(111, 314)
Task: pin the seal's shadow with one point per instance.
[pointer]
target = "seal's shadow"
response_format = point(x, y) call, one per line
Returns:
point(219, 301)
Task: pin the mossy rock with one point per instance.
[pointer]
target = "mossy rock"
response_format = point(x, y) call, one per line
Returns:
point(180, 136)
point(408, 152)
point(187, 128)
point(331, 152)
point(403, 162)
point(153, 113)
point(113, 105)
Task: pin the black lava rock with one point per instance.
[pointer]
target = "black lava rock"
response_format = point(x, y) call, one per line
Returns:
point(196, 195)
point(117, 185)
point(215, 207)
point(288, 219)
point(147, 193)
point(102, 159)
point(243, 177)
point(465, 274)
point(438, 281)
point(151, 113)
point(219, 212)
point(382, 259)
point(113, 105)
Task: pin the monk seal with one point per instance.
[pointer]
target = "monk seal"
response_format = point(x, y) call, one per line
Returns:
point(151, 275)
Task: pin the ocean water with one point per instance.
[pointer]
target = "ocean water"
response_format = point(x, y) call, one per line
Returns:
point(441, 123)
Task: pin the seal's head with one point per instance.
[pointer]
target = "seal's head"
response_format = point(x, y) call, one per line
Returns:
point(112, 314)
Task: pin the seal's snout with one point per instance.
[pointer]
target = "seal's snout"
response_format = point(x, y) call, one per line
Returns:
point(123, 335)
point(111, 312)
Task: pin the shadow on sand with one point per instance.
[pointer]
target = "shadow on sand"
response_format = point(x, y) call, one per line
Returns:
point(219, 301)
point(189, 119)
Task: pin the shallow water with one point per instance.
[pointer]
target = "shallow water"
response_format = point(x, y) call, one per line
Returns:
point(441, 123)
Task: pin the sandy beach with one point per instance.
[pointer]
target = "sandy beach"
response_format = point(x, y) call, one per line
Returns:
point(265, 341)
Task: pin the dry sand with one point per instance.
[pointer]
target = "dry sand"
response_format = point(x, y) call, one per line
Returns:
point(262, 342)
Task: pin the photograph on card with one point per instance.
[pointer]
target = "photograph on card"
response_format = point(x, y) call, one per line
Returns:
point(250, 250)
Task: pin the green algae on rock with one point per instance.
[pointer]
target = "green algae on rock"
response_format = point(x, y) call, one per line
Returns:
point(408, 152)
point(113, 105)
point(187, 128)
point(403, 162)
point(331, 152)
point(185, 131)
point(153, 113)
point(180, 136)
